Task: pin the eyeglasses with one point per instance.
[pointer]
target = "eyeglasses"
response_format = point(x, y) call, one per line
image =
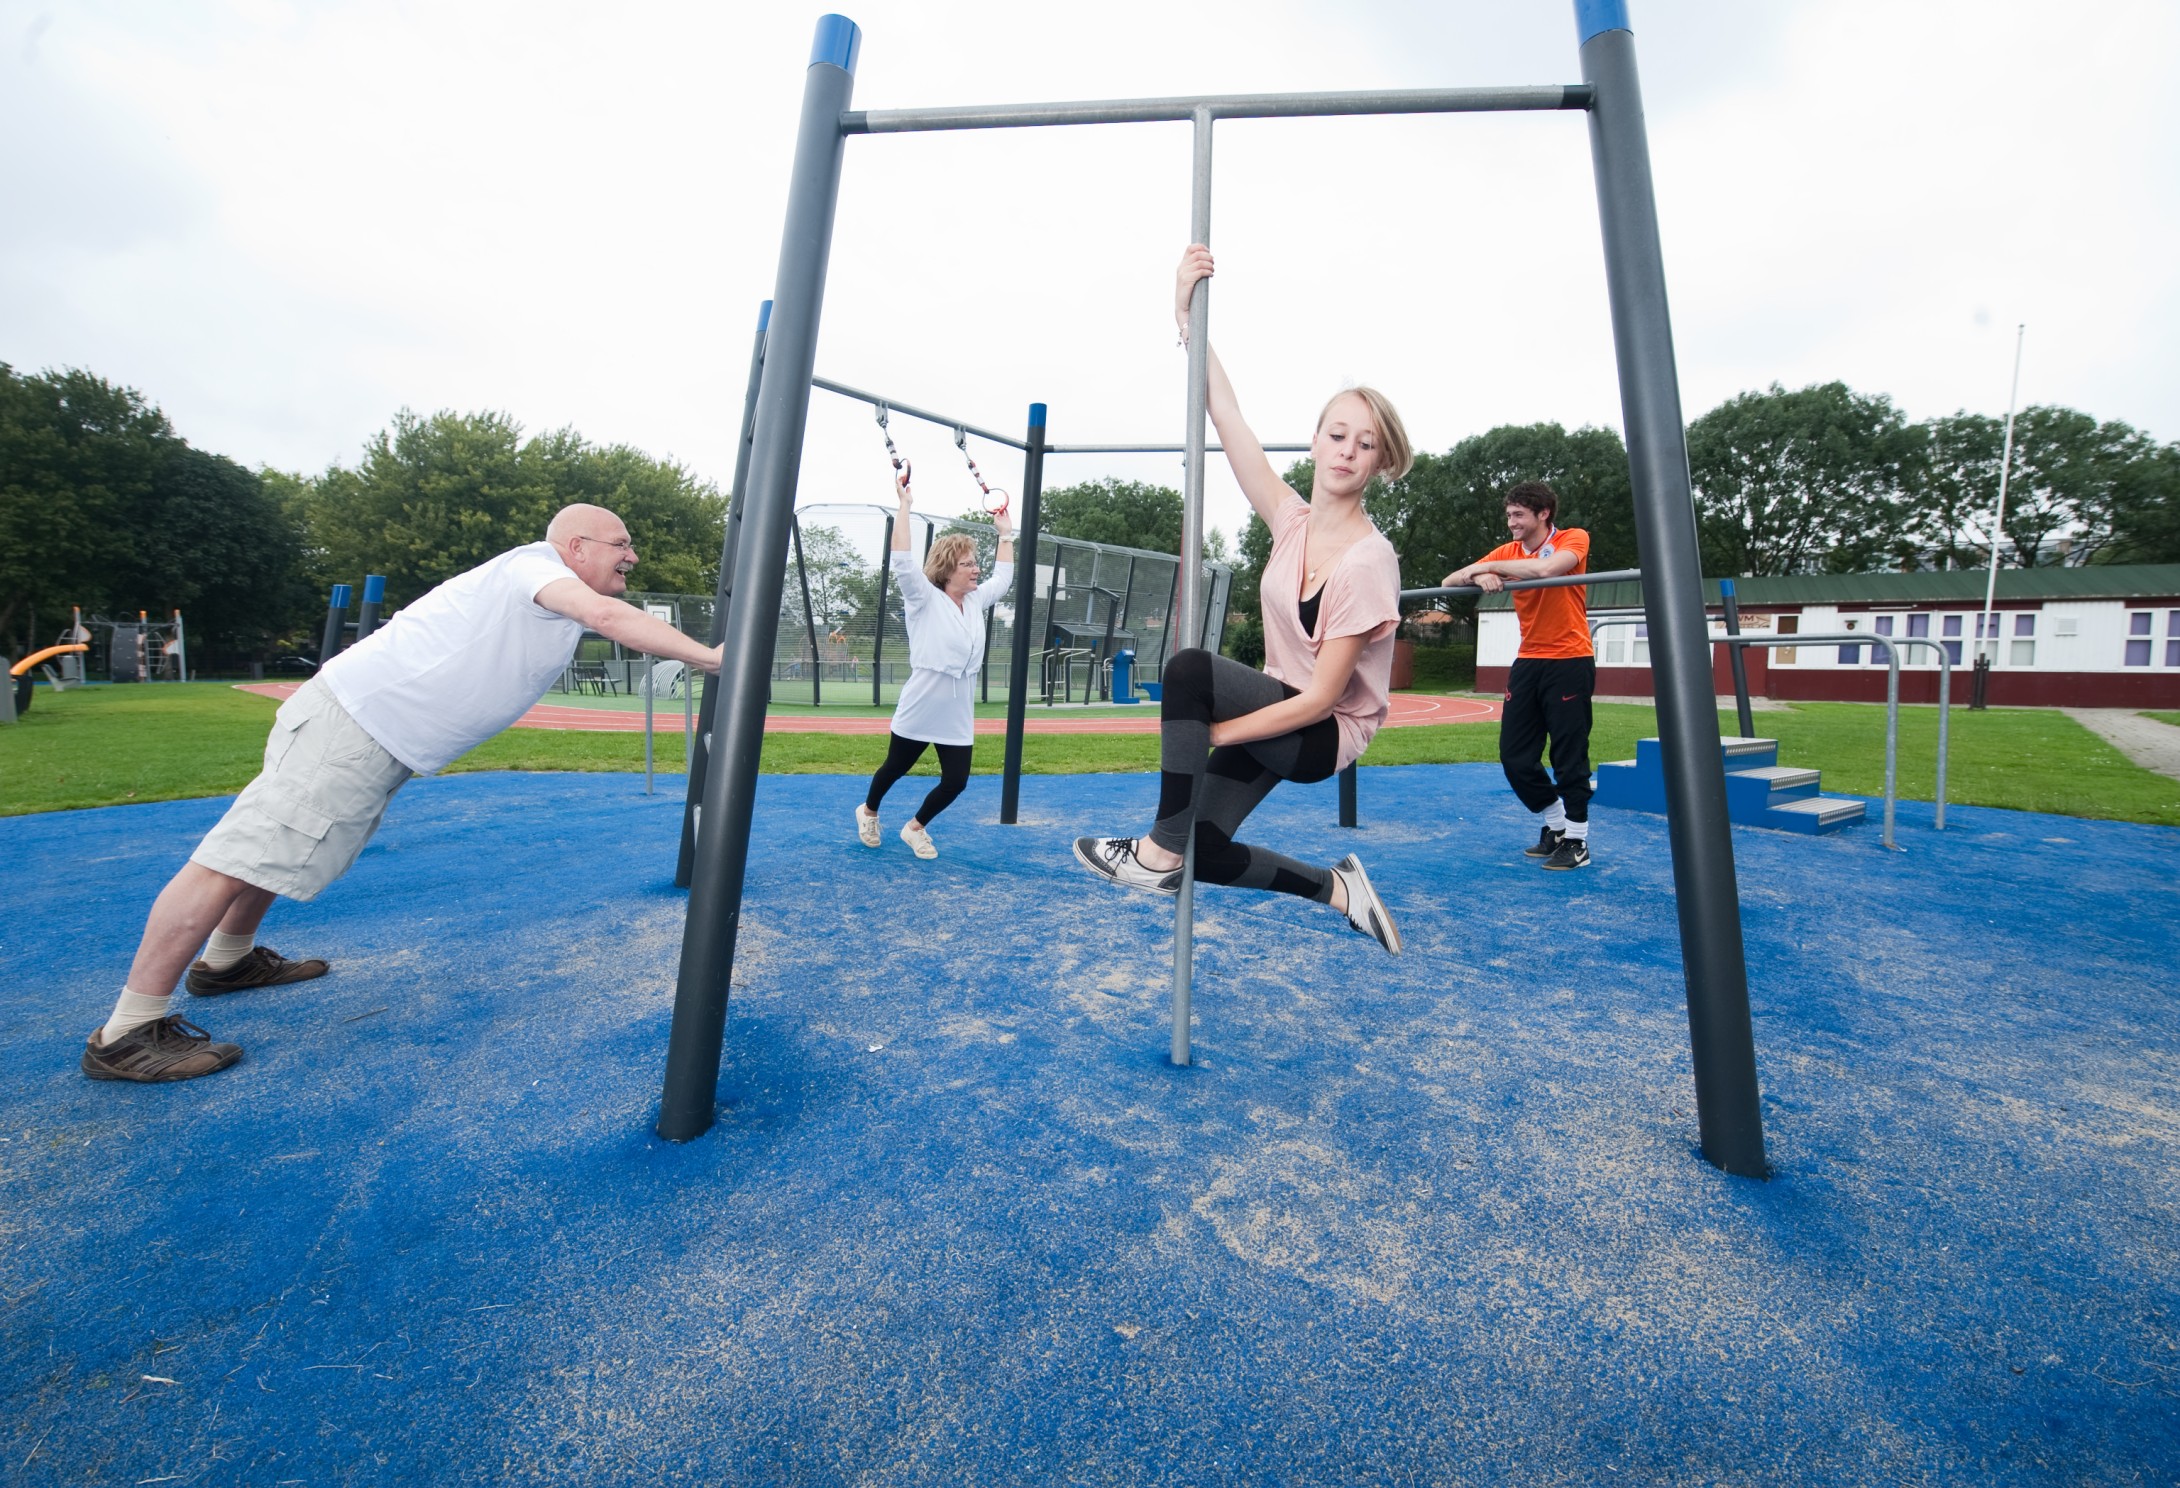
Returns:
point(626, 545)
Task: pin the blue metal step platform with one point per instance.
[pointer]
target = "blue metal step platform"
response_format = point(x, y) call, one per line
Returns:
point(1760, 792)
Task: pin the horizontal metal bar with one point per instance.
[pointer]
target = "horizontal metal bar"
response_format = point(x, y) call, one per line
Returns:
point(1223, 106)
point(1159, 449)
point(1564, 581)
point(913, 411)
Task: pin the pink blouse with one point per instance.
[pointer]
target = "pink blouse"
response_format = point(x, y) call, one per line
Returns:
point(1361, 596)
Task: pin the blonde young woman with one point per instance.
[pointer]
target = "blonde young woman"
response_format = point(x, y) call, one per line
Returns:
point(944, 605)
point(1330, 602)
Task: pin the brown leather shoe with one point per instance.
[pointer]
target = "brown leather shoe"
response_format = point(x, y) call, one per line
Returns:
point(261, 967)
point(173, 1048)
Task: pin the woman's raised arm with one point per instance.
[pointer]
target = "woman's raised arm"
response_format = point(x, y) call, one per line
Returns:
point(1244, 452)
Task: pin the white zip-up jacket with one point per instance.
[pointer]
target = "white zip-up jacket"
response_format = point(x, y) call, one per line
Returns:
point(945, 653)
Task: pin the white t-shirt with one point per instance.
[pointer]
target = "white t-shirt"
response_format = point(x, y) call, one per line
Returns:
point(462, 663)
point(945, 651)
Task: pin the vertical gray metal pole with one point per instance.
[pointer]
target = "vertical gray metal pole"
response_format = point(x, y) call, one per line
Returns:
point(1737, 660)
point(1025, 611)
point(374, 598)
point(878, 639)
point(687, 1105)
point(723, 601)
point(809, 621)
point(336, 616)
point(1713, 959)
point(1189, 580)
point(1347, 797)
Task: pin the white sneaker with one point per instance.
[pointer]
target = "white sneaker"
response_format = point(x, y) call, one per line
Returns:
point(1113, 859)
point(866, 826)
point(1365, 910)
point(918, 840)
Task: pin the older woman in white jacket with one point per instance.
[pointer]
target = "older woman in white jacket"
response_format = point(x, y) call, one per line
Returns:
point(945, 606)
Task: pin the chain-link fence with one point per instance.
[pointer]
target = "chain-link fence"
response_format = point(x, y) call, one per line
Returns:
point(843, 643)
point(842, 640)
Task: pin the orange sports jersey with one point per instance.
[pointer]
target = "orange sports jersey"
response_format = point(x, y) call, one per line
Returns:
point(1555, 623)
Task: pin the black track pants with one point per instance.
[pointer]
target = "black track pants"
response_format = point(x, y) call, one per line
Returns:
point(1216, 789)
point(901, 756)
point(1549, 699)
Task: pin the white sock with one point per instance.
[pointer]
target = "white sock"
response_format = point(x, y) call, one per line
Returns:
point(133, 1010)
point(223, 951)
point(1555, 816)
point(1578, 831)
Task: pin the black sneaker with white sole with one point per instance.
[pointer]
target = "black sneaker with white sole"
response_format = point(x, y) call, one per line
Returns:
point(1365, 910)
point(1547, 843)
point(1572, 852)
point(1113, 859)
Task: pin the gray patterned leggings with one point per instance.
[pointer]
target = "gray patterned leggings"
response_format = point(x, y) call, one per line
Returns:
point(1216, 789)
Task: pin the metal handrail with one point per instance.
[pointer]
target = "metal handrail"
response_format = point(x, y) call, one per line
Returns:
point(1892, 696)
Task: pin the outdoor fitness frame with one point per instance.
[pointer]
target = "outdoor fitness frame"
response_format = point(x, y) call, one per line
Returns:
point(1706, 896)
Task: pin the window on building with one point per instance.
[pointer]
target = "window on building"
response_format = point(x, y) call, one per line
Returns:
point(1951, 627)
point(2172, 647)
point(2023, 652)
point(1642, 645)
point(2138, 638)
point(1918, 625)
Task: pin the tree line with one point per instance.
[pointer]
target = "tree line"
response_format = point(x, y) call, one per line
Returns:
point(104, 505)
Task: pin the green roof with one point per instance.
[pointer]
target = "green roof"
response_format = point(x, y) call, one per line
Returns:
point(1963, 586)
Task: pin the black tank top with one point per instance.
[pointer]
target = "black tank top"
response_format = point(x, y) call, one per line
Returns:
point(1307, 611)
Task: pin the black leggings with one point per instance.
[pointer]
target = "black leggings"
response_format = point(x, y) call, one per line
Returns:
point(901, 754)
point(1216, 789)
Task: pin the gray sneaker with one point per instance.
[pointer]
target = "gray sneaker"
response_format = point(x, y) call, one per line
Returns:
point(173, 1048)
point(1113, 859)
point(1365, 910)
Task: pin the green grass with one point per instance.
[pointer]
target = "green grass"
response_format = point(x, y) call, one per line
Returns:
point(2171, 718)
point(103, 746)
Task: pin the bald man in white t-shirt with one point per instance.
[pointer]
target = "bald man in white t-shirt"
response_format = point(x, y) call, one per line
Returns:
point(445, 674)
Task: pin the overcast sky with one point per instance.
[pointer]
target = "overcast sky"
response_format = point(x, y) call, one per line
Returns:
point(283, 222)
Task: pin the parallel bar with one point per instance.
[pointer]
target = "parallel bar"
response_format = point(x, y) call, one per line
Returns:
point(1025, 608)
point(1188, 575)
point(700, 748)
point(1545, 97)
point(1721, 1040)
point(688, 1104)
point(1564, 581)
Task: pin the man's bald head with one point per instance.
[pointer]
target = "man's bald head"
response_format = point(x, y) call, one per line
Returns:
point(595, 543)
point(581, 519)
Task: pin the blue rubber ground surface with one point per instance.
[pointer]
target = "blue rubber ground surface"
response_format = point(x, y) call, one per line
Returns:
point(1437, 1220)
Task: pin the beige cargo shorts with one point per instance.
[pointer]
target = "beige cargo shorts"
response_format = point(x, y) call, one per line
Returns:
point(300, 824)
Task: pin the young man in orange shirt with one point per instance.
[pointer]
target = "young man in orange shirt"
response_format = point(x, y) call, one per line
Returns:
point(1554, 674)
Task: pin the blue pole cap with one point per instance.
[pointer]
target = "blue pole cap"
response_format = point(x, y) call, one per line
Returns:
point(839, 41)
point(339, 601)
point(764, 315)
point(1725, 586)
point(1594, 16)
point(1037, 414)
point(374, 588)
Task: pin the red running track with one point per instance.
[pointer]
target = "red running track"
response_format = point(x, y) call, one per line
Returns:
point(1409, 709)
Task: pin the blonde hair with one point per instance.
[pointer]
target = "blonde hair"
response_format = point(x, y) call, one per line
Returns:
point(1396, 456)
point(946, 552)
